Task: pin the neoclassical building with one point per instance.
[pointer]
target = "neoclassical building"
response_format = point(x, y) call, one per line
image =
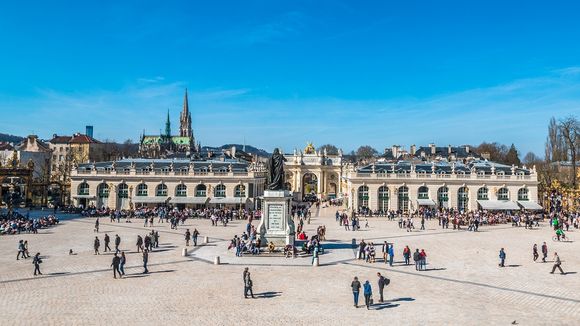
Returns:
point(177, 182)
point(408, 185)
point(313, 173)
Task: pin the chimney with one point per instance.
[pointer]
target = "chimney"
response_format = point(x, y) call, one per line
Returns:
point(395, 150)
point(89, 131)
point(413, 149)
point(449, 148)
point(467, 148)
point(433, 148)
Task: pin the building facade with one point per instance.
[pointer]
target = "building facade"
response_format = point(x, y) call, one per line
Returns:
point(407, 185)
point(181, 183)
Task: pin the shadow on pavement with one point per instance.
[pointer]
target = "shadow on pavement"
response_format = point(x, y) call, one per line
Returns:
point(267, 295)
point(384, 305)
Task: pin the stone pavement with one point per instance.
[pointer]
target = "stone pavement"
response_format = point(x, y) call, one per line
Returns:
point(463, 284)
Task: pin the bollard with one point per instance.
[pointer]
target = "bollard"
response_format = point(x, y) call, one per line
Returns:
point(216, 260)
point(205, 240)
point(184, 252)
point(315, 262)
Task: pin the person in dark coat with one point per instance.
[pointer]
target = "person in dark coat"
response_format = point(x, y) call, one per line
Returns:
point(117, 243)
point(107, 241)
point(115, 264)
point(97, 245)
point(37, 261)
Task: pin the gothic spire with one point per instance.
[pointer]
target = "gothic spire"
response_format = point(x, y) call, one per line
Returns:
point(168, 126)
point(185, 105)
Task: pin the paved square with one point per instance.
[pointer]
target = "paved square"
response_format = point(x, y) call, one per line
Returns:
point(463, 284)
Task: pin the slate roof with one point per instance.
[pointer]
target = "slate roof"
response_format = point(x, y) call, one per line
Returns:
point(480, 166)
point(165, 164)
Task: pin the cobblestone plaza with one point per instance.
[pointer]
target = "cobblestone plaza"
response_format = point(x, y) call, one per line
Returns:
point(462, 284)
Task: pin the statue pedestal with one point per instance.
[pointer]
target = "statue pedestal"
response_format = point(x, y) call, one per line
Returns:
point(276, 224)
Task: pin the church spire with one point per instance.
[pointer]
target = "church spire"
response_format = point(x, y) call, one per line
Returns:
point(168, 126)
point(185, 119)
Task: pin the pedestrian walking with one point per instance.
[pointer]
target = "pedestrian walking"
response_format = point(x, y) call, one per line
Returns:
point(407, 255)
point(117, 243)
point(194, 237)
point(417, 259)
point(37, 261)
point(544, 252)
point(385, 251)
point(391, 254)
point(187, 237)
point(96, 225)
point(122, 263)
point(145, 261)
point(557, 264)
point(248, 284)
point(368, 293)
point(21, 250)
point(115, 264)
point(535, 252)
point(139, 243)
point(502, 256)
point(107, 241)
point(383, 281)
point(423, 260)
point(355, 285)
point(97, 245)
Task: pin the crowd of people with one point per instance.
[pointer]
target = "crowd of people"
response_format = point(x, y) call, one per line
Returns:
point(17, 223)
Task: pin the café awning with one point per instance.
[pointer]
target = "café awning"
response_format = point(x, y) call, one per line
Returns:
point(189, 200)
point(228, 200)
point(530, 205)
point(148, 199)
point(498, 205)
point(425, 202)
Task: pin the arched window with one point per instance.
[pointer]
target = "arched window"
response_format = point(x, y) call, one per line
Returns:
point(123, 191)
point(482, 194)
point(83, 189)
point(142, 189)
point(462, 199)
point(443, 196)
point(503, 194)
point(423, 193)
point(240, 191)
point(103, 190)
point(220, 191)
point(363, 196)
point(404, 199)
point(181, 190)
point(383, 198)
point(201, 191)
point(523, 194)
point(161, 190)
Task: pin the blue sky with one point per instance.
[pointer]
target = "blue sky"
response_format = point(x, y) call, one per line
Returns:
point(281, 73)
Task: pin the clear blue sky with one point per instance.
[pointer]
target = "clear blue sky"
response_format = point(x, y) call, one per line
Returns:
point(280, 73)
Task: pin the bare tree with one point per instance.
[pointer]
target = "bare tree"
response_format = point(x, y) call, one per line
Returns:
point(556, 147)
point(531, 159)
point(330, 149)
point(366, 152)
point(570, 130)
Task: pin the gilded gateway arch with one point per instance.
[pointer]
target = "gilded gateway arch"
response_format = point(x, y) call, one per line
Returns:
point(311, 173)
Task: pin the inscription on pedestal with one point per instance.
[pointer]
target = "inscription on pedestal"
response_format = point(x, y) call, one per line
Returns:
point(275, 217)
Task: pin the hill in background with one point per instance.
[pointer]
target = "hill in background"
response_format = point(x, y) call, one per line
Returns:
point(10, 138)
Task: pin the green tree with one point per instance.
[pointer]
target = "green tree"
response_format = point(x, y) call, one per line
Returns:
point(512, 157)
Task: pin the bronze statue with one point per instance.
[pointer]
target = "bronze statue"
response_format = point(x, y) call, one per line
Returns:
point(276, 171)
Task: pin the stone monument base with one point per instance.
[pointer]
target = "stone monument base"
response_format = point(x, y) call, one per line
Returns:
point(276, 225)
